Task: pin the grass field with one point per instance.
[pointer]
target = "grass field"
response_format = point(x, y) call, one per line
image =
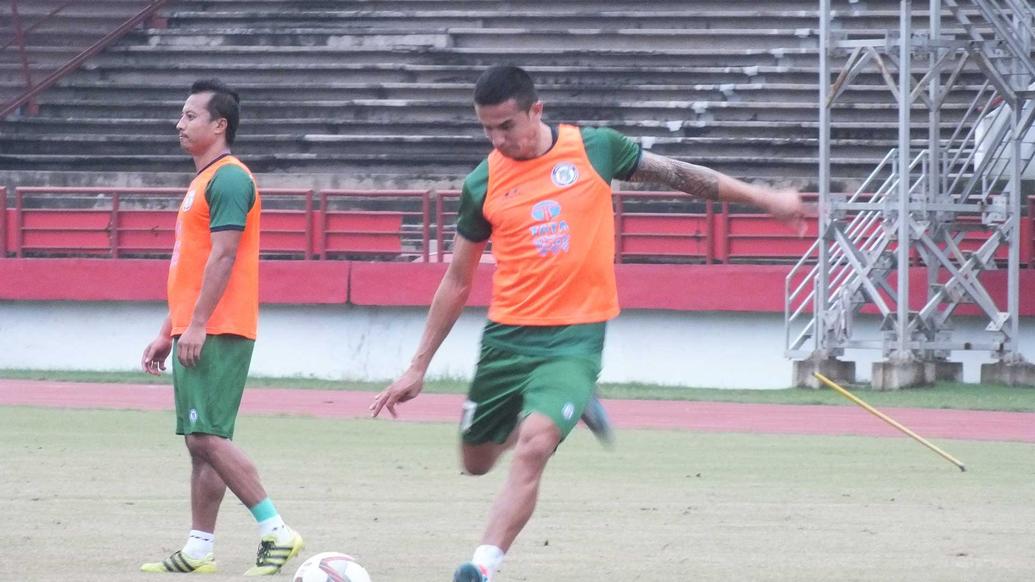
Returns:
point(88, 495)
point(943, 395)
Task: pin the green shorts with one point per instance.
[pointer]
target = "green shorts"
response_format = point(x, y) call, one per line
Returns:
point(507, 387)
point(209, 394)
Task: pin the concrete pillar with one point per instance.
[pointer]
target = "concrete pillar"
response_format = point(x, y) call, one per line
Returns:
point(837, 370)
point(895, 374)
point(1019, 373)
point(945, 371)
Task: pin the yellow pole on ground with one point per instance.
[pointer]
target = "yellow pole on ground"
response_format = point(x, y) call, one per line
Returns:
point(833, 385)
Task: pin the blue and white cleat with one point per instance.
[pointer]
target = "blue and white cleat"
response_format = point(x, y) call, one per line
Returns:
point(471, 572)
point(596, 419)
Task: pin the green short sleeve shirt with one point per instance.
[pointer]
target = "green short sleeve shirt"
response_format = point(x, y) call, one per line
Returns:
point(230, 196)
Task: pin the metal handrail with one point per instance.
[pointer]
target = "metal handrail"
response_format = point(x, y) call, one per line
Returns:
point(31, 90)
point(794, 304)
point(34, 25)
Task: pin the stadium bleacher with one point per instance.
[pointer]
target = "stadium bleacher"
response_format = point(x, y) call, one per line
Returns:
point(375, 93)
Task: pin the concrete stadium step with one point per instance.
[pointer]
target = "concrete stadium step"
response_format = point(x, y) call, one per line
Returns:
point(872, 13)
point(68, 39)
point(604, 89)
point(45, 6)
point(231, 55)
point(273, 34)
point(36, 13)
point(508, 18)
point(43, 126)
point(386, 110)
point(386, 72)
point(538, 18)
point(634, 39)
point(49, 57)
point(276, 36)
point(462, 146)
point(173, 72)
point(360, 167)
point(12, 70)
point(557, 5)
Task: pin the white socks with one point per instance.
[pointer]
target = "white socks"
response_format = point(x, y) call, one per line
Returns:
point(268, 526)
point(490, 557)
point(199, 544)
point(276, 526)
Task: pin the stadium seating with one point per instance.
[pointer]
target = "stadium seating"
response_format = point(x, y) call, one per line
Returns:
point(376, 93)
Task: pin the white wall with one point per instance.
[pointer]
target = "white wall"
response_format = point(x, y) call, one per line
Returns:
point(729, 350)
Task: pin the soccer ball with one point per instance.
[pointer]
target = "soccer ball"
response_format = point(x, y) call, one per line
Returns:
point(331, 567)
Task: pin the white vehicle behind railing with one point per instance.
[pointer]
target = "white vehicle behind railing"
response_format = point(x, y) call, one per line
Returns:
point(985, 139)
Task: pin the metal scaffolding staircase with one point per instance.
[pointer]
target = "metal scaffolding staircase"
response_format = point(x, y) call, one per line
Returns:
point(951, 209)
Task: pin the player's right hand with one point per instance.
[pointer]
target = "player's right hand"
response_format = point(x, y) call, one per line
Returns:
point(155, 354)
point(407, 387)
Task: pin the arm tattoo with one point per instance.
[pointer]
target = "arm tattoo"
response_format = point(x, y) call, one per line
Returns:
point(696, 181)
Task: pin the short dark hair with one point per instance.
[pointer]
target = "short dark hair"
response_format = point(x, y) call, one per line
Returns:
point(502, 82)
point(225, 103)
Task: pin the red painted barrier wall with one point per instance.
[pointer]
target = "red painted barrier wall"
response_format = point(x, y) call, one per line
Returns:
point(283, 282)
point(730, 288)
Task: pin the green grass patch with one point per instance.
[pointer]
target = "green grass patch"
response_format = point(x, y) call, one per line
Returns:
point(942, 395)
point(692, 506)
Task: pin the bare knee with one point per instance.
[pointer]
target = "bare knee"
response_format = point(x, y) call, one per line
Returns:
point(478, 467)
point(536, 448)
point(201, 446)
point(480, 459)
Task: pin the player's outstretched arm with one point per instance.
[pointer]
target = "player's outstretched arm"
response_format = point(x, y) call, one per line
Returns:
point(708, 184)
point(445, 309)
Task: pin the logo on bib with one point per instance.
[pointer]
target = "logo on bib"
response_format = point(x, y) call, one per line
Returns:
point(568, 411)
point(564, 174)
point(549, 234)
point(188, 201)
point(546, 210)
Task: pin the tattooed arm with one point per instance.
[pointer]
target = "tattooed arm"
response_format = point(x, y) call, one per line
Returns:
point(707, 184)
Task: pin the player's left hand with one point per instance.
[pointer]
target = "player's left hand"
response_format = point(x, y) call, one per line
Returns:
point(188, 348)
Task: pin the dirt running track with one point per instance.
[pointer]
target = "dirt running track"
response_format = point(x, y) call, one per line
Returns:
point(676, 415)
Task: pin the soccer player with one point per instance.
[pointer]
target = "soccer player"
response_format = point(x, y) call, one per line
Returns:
point(543, 196)
point(213, 312)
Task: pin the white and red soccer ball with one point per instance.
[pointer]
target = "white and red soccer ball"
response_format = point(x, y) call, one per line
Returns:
point(331, 567)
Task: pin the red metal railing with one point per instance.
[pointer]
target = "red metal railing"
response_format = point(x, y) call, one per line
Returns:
point(19, 41)
point(392, 225)
point(108, 228)
point(1030, 234)
point(445, 221)
point(3, 222)
point(383, 232)
point(660, 233)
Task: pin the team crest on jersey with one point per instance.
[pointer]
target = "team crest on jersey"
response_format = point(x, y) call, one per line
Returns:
point(188, 201)
point(564, 174)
